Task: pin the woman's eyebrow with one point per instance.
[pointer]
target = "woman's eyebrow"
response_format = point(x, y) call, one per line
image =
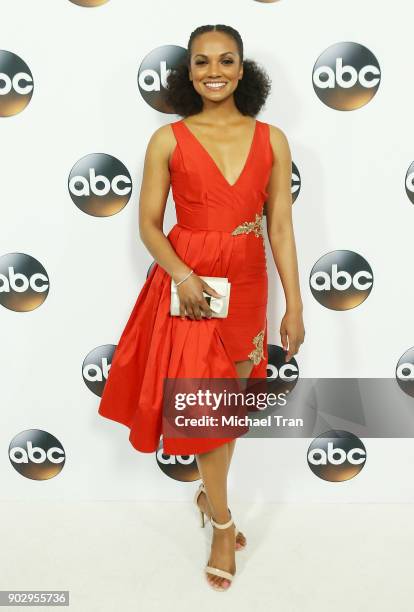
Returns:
point(204, 55)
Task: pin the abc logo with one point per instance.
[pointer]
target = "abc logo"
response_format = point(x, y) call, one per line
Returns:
point(153, 72)
point(409, 183)
point(346, 76)
point(36, 454)
point(281, 378)
point(405, 372)
point(178, 467)
point(89, 3)
point(99, 185)
point(151, 268)
point(341, 280)
point(16, 84)
point(278, 368)
point(295, 183)
point(336, 456)
point(24, 283)
point(96, 366)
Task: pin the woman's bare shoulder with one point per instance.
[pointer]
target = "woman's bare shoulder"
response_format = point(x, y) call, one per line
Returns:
point(279, 141)
point(163, 135)
point(162, 141)
point(277, 133)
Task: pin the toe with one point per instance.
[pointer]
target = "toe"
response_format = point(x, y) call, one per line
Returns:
point(240, 540)
point(213, 580)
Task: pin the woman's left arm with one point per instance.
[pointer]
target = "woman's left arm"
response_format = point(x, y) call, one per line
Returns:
point(282, 241)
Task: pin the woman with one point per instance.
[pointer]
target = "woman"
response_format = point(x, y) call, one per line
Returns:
point(223, 165)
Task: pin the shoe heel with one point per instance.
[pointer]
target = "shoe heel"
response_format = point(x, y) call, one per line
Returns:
point(197, 493)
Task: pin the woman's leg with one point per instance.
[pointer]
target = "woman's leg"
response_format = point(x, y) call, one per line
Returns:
point(213, 467)
point(244, 369)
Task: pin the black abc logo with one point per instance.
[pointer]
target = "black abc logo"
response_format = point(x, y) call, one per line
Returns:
point(281, 378)
point(151, 267)
point(404, 372)
point(153, 72)
point(296, 182)
point(89, 3)
point(284, 373)
point(96, 366)
point(100, 185)
point(409, 183)
point(346, 76)
point(24, 283)
point(336, 456)
point(36, 454)
point(16, 84)
point(341, 280)
point(178, 467)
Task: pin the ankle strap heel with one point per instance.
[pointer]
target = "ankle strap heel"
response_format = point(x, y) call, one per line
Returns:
point(222, 525)
point(216, 571)
point(202, 515)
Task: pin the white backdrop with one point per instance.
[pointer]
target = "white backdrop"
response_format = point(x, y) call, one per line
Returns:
point(352, 165)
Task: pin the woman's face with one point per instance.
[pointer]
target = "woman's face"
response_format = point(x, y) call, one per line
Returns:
point(215, 59)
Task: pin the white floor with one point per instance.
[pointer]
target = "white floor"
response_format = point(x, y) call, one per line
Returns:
point(118, 556)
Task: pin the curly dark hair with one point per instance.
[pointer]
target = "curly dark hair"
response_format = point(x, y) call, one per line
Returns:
point(249, 96)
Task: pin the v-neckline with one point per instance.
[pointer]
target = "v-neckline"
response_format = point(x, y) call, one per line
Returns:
point(246, 163)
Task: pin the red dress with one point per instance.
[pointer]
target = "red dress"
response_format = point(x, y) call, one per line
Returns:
point(219, 232)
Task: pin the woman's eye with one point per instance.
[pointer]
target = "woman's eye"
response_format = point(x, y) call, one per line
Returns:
point(226, 61)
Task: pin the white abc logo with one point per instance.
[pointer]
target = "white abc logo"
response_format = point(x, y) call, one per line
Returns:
point(7, 83)
point(88, 187)
point(283, 371)
point(336, 78)
point(93, 373)
point(156, 80)
point(403, 375)
point(32, 451)
point(409, 182)
point(355, 456)
point(34, 282)
point(330, 281)
point(173, 459)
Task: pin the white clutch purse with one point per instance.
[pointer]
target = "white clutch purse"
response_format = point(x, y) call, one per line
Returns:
point(219, 305)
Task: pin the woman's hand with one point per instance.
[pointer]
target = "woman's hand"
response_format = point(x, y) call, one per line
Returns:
point(292, 328)
point(192, 300)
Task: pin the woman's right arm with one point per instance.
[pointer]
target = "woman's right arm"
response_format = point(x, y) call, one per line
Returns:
point(155, 187)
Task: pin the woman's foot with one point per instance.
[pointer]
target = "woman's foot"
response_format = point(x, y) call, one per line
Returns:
point(222, 556)
point(203, 504)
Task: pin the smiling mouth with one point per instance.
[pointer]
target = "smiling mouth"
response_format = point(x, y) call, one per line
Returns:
point(215, 85)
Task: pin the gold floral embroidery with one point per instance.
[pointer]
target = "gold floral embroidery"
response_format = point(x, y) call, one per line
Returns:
point(250, 226)
point(257, 354)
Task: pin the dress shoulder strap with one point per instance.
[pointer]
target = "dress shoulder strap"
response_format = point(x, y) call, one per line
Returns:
point(183, 151)
point(179, 130)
